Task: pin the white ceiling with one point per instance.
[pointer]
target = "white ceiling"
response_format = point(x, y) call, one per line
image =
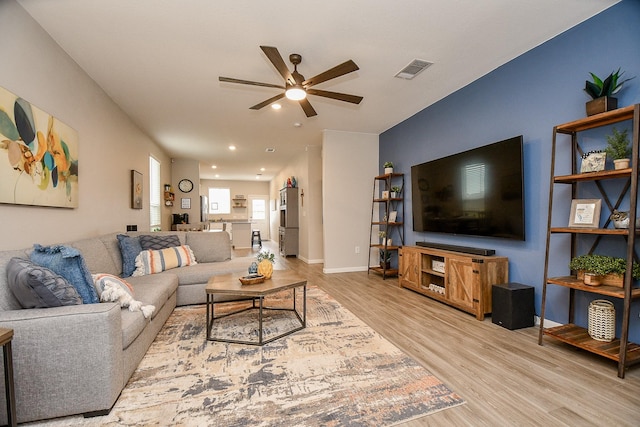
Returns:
point(159, 60)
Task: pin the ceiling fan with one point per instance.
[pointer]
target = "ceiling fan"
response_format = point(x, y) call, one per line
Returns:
point(295, 86)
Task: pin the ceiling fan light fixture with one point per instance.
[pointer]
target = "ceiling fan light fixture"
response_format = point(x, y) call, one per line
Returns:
point(295, 93)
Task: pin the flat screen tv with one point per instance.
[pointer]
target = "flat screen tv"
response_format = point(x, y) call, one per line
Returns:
point(479, 192)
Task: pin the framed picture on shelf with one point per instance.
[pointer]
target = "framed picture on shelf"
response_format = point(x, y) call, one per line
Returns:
point(585, 213)
point(385, 194)
point(392, 216)
point(593, 161)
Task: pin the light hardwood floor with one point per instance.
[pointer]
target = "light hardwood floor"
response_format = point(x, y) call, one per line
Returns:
point(506, 378)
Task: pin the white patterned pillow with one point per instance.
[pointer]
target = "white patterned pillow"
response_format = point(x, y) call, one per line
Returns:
point(112, 288)
point(150, 261)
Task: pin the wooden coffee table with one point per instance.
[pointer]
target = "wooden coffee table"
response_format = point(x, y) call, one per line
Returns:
point(229, 284)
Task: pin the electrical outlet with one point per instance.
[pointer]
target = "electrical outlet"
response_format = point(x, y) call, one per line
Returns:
point(357, 249)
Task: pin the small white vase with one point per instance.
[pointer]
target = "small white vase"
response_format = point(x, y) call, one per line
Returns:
point(621, 164)
point(388, 171)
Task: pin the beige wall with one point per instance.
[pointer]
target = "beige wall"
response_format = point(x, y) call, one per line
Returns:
point(306, 168)
point(349, 164)
point(110, 145)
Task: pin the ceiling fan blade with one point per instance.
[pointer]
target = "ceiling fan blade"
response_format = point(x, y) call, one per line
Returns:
point(308, 109)
point(248, 82)
point(337, 71)
point(354, 99)
point(277, 61)
point(267, 102)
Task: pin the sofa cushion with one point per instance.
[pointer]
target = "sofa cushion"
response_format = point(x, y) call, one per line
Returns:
point(210, 247)
point(151, 262)
point(69, 263)
point(130, 247)
point(38, 287)
point(157, 241)
point(154, 290)
point(95, 255)
point(112, 288)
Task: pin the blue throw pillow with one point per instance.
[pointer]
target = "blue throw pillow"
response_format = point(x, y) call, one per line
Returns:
point(68, 263)
point(129, 249)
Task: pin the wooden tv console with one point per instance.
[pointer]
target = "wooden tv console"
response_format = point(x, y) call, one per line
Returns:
point(460, 280)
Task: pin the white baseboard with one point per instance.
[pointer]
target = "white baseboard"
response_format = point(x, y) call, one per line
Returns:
point(343, 270)
point(547, 323)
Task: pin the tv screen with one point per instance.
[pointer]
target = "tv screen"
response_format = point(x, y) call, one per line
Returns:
point(479, 192)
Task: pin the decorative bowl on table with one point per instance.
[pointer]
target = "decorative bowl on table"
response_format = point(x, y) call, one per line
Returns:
point(252, 279)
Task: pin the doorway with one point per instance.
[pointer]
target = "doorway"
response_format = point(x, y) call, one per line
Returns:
point(259, 215)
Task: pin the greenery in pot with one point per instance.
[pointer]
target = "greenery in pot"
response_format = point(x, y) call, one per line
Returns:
point(266, 254)
point(618, 145)
point(396, 189)
point(388, 165)
point(602, 265)
point(607, 87)
point(385, 258)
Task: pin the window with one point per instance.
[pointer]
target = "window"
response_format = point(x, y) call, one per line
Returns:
point(219, 201)
point(155, 207)
point(258, 209)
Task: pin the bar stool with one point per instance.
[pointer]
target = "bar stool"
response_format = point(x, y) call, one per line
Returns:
point(255, 235)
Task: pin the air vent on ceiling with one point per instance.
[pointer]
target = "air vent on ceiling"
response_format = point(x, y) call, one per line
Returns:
point(270, 150)
point(412, 70)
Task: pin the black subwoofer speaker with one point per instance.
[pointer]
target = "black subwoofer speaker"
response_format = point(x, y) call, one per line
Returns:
point(512, 305)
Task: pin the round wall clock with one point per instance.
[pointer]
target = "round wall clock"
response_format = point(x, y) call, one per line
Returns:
point(185, 185)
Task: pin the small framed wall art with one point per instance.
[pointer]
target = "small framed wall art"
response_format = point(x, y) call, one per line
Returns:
point(585, 213)
point(136, 190)
point(185, 203)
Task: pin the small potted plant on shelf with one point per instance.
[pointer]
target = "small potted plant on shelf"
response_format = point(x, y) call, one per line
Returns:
point(265, 260)
point(385, 259)
point(601, 92)
point(596, 269)
point(388, 168)
point(619, 148)
point(395, 191)
point(383, 236)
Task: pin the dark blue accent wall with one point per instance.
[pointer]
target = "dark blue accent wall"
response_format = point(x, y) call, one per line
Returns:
point(528, 96)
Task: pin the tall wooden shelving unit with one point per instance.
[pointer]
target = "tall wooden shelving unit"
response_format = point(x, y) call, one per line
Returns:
point(620, 350)
point(393, 229)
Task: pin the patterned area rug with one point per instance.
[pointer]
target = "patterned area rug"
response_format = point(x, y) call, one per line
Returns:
point(336, 372)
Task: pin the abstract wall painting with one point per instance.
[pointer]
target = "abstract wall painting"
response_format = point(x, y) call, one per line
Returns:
point(38, 156)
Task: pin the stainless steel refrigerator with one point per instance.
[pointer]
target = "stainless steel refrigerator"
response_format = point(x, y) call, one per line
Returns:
point(204, 209)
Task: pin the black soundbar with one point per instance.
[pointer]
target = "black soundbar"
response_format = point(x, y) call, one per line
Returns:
point(455, 248)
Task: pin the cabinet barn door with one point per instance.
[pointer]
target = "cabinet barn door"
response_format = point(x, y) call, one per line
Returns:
point(461, 286)
point(409, 266)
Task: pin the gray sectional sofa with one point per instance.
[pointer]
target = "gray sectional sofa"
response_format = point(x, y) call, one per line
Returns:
point(77, 359)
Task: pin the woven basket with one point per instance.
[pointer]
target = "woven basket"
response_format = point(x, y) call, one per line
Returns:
point(602, 320)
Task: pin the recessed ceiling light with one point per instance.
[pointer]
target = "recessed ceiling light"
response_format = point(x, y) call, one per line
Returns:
point(270, 150)
point(214, 167)
point(232, 147)
point(261, 169)
point(217, 176)
point(276, 106)
point(297, 124)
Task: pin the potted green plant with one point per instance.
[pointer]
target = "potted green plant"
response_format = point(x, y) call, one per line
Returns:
point(383, 237)
point(601, 92)
point(619, 148)
point(385, 259)
point(388, 168)
point(395, 191)
point(595, 269)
